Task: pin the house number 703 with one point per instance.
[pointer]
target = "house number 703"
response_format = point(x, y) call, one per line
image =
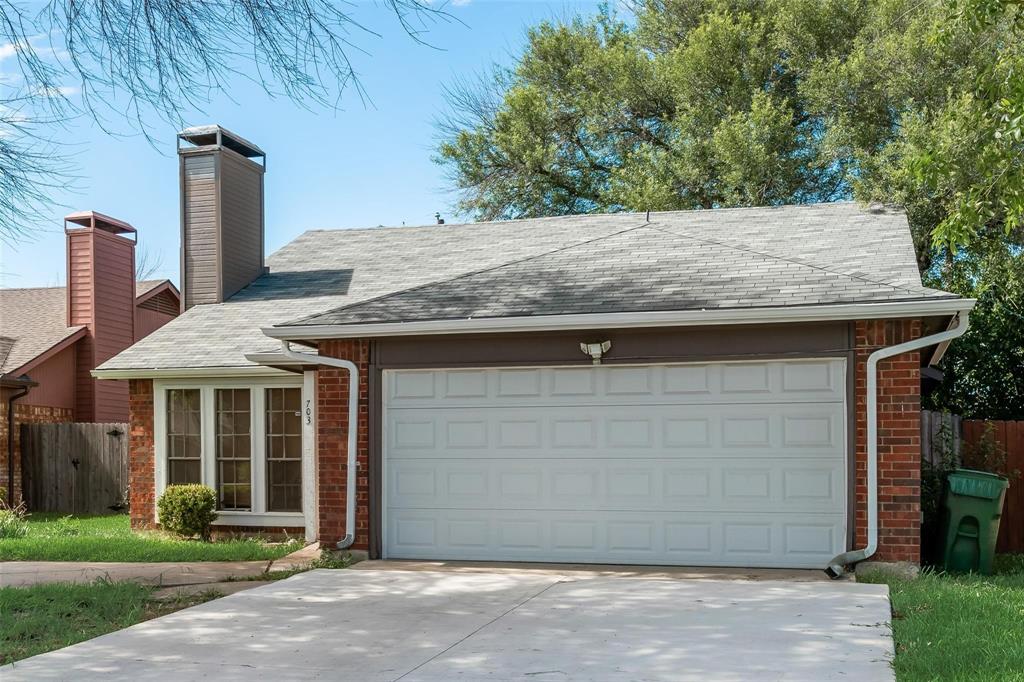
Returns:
point(309, 412)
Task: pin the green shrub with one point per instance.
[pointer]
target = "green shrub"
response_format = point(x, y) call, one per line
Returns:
point(65, 526)
point(12, 522)
point(188, 510)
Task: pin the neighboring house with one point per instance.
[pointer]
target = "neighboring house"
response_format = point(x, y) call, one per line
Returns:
point(673, 388)
point(51, 338)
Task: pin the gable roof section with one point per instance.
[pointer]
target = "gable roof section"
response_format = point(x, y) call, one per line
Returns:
point(838, 250)
point(33, 321)
point(646, 268)
point(147, 288)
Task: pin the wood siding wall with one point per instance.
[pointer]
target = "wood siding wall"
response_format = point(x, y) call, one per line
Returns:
point(241, 196)
point(164, 302)
point(101, 297)
point(199, 283)
point(154, 313)
point(222, 224)
point(115, 320)
point(56, 377)
point(81, 293)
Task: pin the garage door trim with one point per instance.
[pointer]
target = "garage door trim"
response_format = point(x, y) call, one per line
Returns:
point(840, 498)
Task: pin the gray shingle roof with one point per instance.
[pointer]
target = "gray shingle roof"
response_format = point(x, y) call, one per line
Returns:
point(735, 257)
point(144, 286)
point(646, 268)
point(34, 320)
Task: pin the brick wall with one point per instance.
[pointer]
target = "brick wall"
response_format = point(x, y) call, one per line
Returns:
point(24, 414)
point(899, 440)
point(332, 387)
point(141, 460)
point(898, 430)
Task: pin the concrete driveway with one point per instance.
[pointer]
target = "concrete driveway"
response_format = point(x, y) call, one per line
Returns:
point(371, 625)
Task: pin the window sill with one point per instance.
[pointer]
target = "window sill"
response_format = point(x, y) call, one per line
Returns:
point(268, 519)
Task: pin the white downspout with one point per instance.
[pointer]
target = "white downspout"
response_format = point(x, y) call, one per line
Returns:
point(837, 565)
point(353, 427)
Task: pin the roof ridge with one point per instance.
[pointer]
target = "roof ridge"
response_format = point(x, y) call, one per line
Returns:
point(371, 228)
point(795, 261)
point(463, 275)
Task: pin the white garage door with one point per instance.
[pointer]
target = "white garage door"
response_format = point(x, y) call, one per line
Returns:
point(719, 464)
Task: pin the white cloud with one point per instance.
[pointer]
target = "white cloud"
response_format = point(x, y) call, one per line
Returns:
point(59, 91)
point(8, 50)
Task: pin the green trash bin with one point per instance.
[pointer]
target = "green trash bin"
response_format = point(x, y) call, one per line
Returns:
point(973, 506)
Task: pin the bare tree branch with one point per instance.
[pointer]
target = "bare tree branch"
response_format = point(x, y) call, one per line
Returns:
point(139, 58)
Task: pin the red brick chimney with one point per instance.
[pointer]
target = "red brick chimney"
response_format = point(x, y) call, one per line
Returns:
point(101, 297)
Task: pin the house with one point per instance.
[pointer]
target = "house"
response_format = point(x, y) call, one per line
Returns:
point(689, 387)
point(51, 338)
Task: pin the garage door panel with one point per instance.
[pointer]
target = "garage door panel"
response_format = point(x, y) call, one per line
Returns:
point(737, 464)
point(765, 430)
point(704, 484)
point(747, 382)
point(633, 537)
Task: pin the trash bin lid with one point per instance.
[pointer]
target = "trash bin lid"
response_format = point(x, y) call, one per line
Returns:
point(977, 483)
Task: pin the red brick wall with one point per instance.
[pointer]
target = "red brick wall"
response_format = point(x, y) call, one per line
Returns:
point(141, 457)
point(332, 387)
point(899, 440)
point(898, 430)
point(23, 414)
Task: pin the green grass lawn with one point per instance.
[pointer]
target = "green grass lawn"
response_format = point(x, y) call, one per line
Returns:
point(961, 627)
point(34, 620)
point(109, 538)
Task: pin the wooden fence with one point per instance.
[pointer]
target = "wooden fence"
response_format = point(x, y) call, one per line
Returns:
point(74, 468)
point(943, 432)
point(940, 432)
point(1009, 436)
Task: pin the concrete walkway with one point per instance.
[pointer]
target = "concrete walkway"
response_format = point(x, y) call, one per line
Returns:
point(417, 625)
point(162, 574)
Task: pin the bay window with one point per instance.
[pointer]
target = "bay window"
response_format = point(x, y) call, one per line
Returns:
point(241, 437)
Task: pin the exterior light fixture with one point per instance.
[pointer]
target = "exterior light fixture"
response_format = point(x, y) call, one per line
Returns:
point(596, 350)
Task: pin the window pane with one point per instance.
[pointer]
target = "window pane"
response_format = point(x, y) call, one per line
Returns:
point(184, 448)
point(234, 451)
point(284, 449)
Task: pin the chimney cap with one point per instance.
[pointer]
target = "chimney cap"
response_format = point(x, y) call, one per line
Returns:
point(99, 221)
point(201, 136)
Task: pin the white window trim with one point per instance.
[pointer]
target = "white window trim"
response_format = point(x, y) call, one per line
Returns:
point(259, 517)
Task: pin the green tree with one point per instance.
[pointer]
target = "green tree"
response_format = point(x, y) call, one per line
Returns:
point(713, 103)
point(701, 103)
point(984, 370)
point(987, 122)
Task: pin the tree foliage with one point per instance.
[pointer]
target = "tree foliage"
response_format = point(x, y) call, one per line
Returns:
point(132, 59)
point(706, 103)
point(714, 103)
point(984, 370)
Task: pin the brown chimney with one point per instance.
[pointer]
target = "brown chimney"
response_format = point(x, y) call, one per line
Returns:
point(101, 297)
point(221, 214)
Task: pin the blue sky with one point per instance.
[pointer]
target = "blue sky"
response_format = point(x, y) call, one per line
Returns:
point(355, 167)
